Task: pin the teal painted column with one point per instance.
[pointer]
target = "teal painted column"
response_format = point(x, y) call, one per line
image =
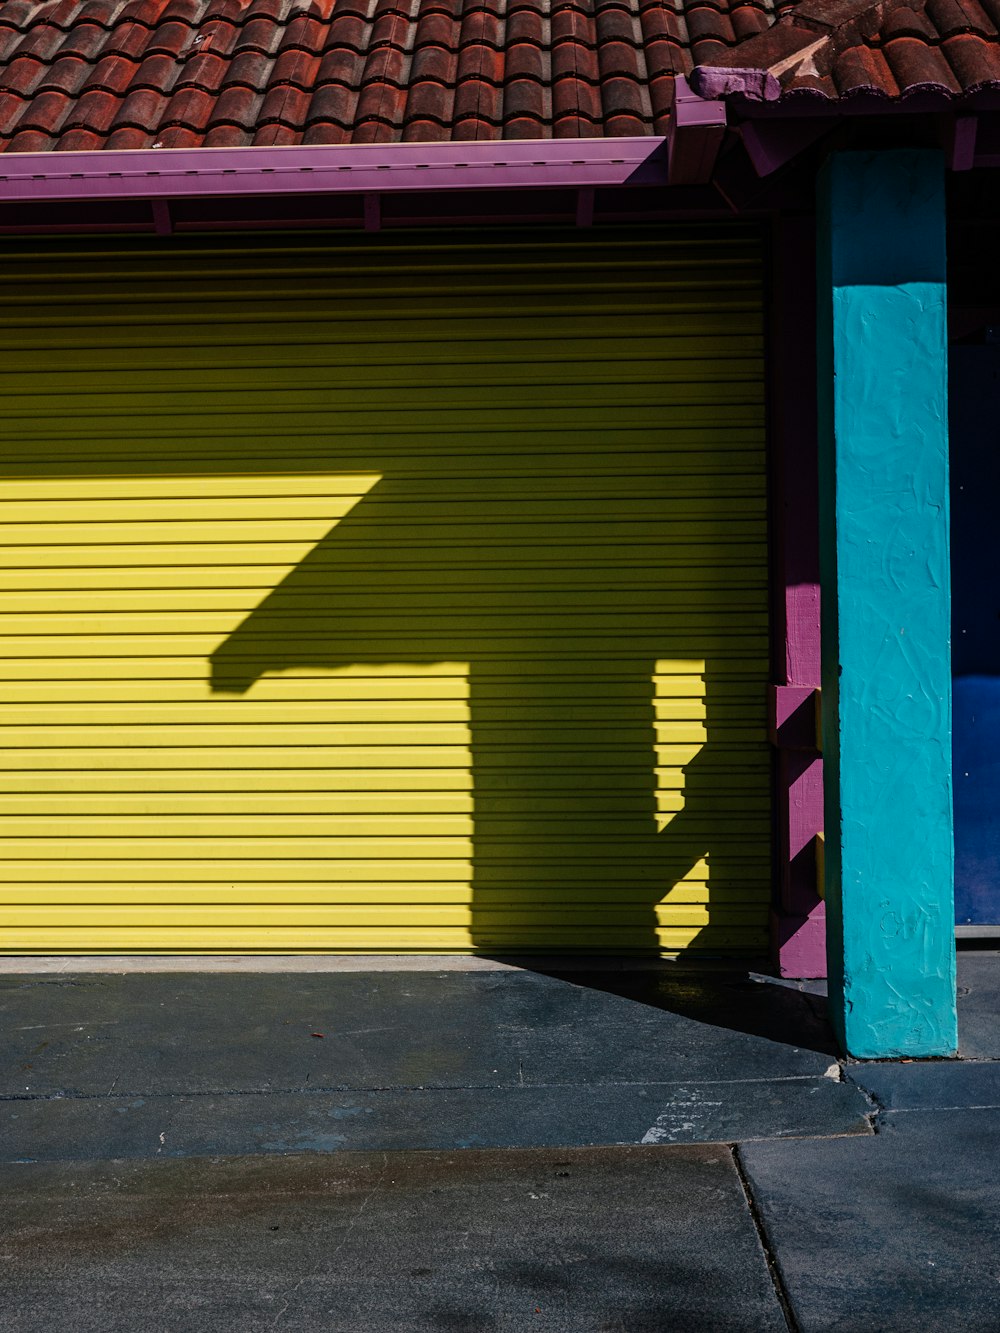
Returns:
point(886, 593)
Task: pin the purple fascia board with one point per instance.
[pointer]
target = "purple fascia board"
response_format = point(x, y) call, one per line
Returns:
point(178, 173)
point(694, 111)
point(962, 149)
point(697, 129)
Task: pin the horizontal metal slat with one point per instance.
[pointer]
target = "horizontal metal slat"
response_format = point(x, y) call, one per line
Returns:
point(561, 510)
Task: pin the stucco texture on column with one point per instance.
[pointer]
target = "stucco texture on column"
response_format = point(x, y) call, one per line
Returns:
point(887, 674)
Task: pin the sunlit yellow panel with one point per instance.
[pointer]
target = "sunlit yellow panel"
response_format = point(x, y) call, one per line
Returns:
point(372, 617)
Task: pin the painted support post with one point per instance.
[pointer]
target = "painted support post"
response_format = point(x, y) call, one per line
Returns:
point(886, 602)
point(798, 918)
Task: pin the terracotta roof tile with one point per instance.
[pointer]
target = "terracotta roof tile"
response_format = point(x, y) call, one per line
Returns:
point(94, 111)
point(46, 113)
point(576, 106)
point(706, 22)
point(272, 9)
point(225, 136)
point(285, 104)
point(748, 19)
point(918, 66)
point(18, 12)
point(11, 107)
point(574, 60)
point(85, 40)
point(570, 24)
point(32, 141)
point(297, 66)
point(249, 69)
point(141, 109)
point(908, 22)
point(862, 69)
point(129, 136)
point(68, 74)
point(432, 65)
point(889, 49)
point(42, 42)
point(259, 34)
point(324, 131)
point(479, 57)
point(276, 133)
point(131, 39)
point(101, 73)
point(970, 61)
point(237, 106)
point(112, 73)
point(9, 38)
point(953, 16)
point(228, 71)
point(437, 29)
point(191, 108)
point(80, 141)
point(335, 105)
point(305, 32)
point(23, 75)
point(157, 71)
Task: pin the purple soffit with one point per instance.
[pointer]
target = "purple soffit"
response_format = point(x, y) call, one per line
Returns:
point(177, 173)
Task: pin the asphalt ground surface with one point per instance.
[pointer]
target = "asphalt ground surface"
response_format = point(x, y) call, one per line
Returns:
point(492, 1149)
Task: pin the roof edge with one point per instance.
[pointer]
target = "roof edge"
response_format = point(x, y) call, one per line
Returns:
point(178, 173)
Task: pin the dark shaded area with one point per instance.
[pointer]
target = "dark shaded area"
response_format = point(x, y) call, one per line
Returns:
point(163, 1034)
point(925, 1085)
point(576, 1241)
point(345, 212)
point(898, 1232)
point(979, 1004)
point(975, 481)
point(147, 1065)
point(724, 998)
point(561, 648)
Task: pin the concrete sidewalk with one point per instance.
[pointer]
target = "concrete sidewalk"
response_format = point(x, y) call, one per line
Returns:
point(497, 1148)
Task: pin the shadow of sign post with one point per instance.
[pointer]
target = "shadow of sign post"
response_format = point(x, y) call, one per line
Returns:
point(598, 746)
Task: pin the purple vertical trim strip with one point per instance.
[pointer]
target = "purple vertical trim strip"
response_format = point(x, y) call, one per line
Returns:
point(373, 212)
point(798, 916)
point(964, 132)
point(794, 418)
point(162, 221)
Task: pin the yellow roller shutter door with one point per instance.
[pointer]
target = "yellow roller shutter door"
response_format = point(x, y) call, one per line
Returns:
point(384, 594)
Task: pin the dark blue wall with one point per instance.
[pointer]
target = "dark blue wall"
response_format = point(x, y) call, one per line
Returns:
point(975, 561)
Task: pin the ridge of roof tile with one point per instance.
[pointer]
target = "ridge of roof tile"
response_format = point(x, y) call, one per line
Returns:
point(884, 49)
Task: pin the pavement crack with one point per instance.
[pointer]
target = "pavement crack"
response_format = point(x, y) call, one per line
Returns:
point(876, 1108)
point(770, 1257)
point(293, 1289)
point(319, 1089)
point(348, 1232)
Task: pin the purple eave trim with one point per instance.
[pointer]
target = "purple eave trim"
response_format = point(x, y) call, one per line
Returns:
point(178, 173)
